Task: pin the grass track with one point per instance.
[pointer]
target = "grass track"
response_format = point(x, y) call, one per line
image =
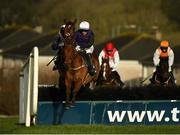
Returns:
point(9, 126)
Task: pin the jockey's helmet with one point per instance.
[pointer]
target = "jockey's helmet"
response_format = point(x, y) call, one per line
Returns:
point(164, 45)
point(109, 47)
point(84, 25)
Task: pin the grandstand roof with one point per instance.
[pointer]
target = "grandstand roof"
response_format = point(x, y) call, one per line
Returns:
point(142, 47)
point(7, 31)
point(24, 49)
point(119, 42)
point(17, 38)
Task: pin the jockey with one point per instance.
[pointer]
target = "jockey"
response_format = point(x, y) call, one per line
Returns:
point(109, 51)
point(163, 51)
point(58, 45)
point(84, 39)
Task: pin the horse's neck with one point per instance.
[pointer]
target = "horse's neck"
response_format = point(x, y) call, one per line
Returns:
point(164, 62)
point(69, 42)
point(69, 51)
point(164, 66)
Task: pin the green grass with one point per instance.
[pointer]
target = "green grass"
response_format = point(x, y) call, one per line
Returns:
point(10, 126)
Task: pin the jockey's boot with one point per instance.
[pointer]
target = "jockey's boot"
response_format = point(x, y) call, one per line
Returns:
point(172, 77)
point(91, 67)
point(55, 68)
point(152, 80)
point(59, 63)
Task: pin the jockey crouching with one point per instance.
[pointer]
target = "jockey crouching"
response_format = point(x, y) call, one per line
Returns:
point(163, 51)
point(109, 51)
point(84, 39)
point(58, 45)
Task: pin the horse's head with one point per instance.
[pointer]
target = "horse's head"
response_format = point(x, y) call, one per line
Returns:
point(69, 31)
point(163, 70)
point(105, 69)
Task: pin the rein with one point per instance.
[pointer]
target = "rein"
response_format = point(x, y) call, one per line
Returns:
point(74, 55)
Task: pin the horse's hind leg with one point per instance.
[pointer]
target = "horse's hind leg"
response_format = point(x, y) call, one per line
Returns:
point(68, 92)
point(77, 86)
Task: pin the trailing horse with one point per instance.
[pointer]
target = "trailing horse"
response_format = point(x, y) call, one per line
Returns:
point(76, 72)
point(105, 77)
point(163, 77)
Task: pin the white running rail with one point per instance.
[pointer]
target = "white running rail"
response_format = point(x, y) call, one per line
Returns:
point(28, 94)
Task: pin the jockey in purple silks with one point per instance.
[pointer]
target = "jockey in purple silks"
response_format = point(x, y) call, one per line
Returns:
point(84, 39)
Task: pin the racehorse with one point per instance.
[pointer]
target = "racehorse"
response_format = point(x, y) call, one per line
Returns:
point(163, 78)
point(76, 73)
point(105, 76)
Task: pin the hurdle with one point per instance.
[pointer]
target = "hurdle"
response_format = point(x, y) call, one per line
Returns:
point(40, 104)
point(28, 94)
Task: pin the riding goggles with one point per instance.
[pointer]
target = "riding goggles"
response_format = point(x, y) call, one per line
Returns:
point(164, 48)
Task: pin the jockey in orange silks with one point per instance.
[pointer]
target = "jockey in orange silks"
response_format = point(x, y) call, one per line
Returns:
point(163, 51)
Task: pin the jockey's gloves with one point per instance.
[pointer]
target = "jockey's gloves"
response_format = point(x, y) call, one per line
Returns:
point(78, 48)
point(61, 44)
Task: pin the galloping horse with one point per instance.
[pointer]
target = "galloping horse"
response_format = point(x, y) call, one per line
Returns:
point(105, 76)
point(76, 74)
point(163, 78)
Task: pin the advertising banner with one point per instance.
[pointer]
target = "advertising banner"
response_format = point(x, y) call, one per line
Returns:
point(111, 112)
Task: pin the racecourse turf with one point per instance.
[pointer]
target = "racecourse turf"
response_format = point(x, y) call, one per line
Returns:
point(9, 125)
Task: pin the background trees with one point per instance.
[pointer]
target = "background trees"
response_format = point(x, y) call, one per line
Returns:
point(106, 16)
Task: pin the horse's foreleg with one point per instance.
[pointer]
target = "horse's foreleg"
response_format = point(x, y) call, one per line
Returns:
point(92, 85)
point(77, 86)
point(68, 92)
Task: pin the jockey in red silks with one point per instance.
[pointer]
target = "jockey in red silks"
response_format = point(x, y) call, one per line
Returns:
point(111, 53)
point(163, 51)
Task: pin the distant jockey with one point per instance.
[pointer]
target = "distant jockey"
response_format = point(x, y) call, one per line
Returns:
point(84, 39)
point(163, 51)
point(109, 51)
point(58, 44)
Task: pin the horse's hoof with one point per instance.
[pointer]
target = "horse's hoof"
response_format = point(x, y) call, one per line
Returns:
point(67, 107)
point(72, 106)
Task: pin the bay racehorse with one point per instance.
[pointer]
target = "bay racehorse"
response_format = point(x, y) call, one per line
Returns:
point(76, 73)
point(105, 75)
point(163, 77)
